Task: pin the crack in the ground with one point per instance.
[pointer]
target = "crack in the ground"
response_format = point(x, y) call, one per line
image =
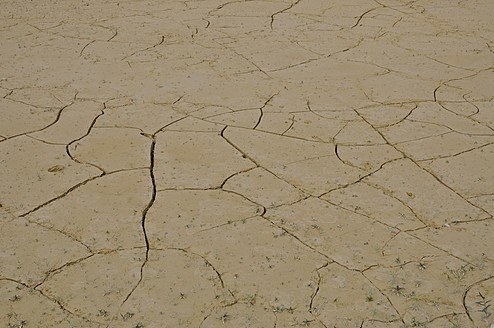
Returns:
point(282, 11)
point(262, 107)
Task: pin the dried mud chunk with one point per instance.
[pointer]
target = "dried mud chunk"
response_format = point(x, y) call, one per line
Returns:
point(426, 289)
point(105, 213)
point(263, 187)
point(369, 157)
point(242, 118)
point(73, 123)
point(147, 117)
point(434, 113)
point(96, 285)
point(177, 289)
point(30, 251)
point(470, 173)
point(274, 150)
point(373, 202)
point(256, 258)
point(386, 115)
point(432, 201)
point(275, 122)
point(177, 216)
point(396, 88)
point(468, 240)
point(18, 118)
point(113, 149)
point(194, 124)
point(359, 133)
point(346, 296)
point(312, 166)
point(313, 127)
point(446, 145)
point(195, 160)
point(408, 131)
point(24, 307)
point(334, 231)
point(23, 172)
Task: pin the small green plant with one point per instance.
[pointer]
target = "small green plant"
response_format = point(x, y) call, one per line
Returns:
point(126, 316)
point(225, 317)
point(15, 298)
point(283, 308)
point(251, 299)
point(416, 323)
point(422, 266)
point(397, 290)
point(484, 303)
point(458, 274)
point(369, 299)
point(102, 313)
point(139, 325)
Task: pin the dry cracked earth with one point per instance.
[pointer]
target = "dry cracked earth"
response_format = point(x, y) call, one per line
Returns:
point(247, 163)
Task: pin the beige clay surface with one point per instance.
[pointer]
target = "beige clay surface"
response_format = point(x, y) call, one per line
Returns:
point(247, 163)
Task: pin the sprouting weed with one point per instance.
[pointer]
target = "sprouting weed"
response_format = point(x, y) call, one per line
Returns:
point(21, 324)
point(126, 316)
point(458, 274)
point(15, 298)
point(369, 299)
point(416, 323)
point(251, 299)
point(283, 308)
point(481, 261)
point(484, 303)
point(224, 317)
point(397, 290)
point(422, 266)
point(102, 313)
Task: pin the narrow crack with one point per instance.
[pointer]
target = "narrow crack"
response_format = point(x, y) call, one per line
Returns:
point(282, 11)
point(162, 40)
point(363, 15)
point(84, 48)
point(144, 214)
point(262, 107)
point(80, 184)
point(314, 294)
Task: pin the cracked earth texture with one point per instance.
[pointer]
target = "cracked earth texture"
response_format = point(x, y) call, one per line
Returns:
point(247, 163)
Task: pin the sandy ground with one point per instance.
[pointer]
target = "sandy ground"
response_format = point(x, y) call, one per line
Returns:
point(248, 163)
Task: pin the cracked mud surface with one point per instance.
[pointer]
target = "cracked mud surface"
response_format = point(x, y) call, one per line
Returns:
point(247, 163)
